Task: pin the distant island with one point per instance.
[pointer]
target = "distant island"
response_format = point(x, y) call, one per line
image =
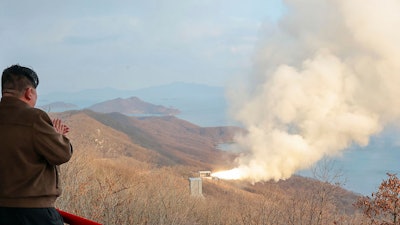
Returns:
point(131, 106)
point(58, 107)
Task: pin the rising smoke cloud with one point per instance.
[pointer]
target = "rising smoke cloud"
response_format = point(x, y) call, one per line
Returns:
point(325, 77)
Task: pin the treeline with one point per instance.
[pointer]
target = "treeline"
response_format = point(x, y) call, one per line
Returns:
point(126, 191)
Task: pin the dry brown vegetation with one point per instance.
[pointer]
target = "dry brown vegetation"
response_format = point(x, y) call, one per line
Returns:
point(383, 207)
point(115, 177)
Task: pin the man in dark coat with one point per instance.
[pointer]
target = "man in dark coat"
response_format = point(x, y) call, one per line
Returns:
point(32, 146)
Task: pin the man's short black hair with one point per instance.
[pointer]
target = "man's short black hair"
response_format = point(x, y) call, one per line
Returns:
point(18, 77)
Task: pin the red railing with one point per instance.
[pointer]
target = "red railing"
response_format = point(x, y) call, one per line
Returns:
point(72, 219)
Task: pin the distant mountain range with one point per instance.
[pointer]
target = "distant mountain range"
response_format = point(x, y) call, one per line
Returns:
point(155, 95)
point(129, 106)
point(58, 107)
point(201, 104)
point(132, 105)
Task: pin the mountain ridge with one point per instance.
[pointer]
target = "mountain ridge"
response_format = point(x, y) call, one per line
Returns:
point(200, 104)
point(165, 134)
point(155, 95)
point(132, 105)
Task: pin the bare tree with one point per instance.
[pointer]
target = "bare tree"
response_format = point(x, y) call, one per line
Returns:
point(323, 197)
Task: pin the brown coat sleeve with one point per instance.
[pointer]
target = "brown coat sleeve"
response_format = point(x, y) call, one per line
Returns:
point(54, 147)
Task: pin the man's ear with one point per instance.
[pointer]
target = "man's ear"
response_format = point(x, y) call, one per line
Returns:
point(28, 93)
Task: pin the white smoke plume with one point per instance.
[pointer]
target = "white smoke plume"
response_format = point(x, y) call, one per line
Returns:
point(326, 76)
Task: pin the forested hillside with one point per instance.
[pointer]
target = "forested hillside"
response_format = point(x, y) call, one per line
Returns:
point(129, 170)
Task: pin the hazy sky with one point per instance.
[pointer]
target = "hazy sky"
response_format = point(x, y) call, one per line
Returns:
point(133, 44)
